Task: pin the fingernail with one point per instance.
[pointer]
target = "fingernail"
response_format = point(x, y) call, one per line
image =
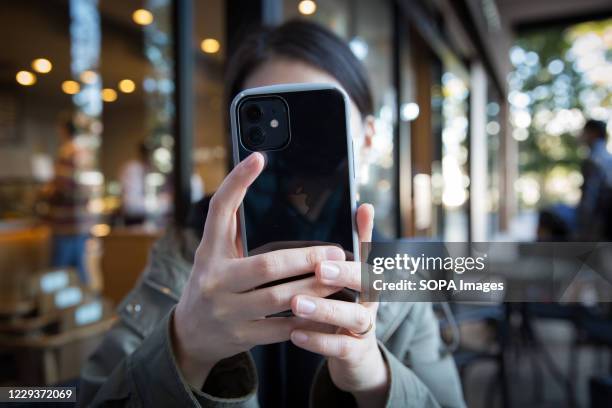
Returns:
point(329, 270)
point(305, 306)
point(372, 210)
point(299, 337)
point(334, 254)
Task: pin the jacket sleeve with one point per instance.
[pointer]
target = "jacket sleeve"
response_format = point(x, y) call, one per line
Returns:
point(135, 366)
point(149, 377)
point(422, 374)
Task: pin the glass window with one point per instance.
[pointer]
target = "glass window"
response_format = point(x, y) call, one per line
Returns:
point(211, 138)
point(421, 108)
point(359, 23)
point(494, 157)
point(455, 154)
point(136, 75)
point(86, 118)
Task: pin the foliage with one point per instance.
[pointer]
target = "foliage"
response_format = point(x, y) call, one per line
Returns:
point(559, 81)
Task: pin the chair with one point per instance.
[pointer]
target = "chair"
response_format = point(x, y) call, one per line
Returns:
point(493, 316)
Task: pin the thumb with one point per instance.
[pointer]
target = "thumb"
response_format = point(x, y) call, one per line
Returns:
point(365, 222)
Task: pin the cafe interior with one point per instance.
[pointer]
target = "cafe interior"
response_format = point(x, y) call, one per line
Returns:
point(137, 88)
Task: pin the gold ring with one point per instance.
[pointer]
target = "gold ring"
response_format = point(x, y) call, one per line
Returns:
point(366, 331)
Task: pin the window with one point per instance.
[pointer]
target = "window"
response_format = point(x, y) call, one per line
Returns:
point(359, 23)
point(211, 134)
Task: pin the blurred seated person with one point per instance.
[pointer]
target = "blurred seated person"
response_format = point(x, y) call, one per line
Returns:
point(133, 189)
point(194, 331)
point(594, 212)
point(67, 198)
point(556, 224)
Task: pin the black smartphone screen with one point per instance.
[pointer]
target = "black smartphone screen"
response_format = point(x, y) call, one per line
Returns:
point(303, 196)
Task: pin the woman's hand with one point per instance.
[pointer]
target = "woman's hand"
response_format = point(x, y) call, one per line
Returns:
point(355, 362)
point(220, 313)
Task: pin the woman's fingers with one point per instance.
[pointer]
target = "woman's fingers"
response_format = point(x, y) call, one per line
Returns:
point(365, 222)
point(278, 329)
point(275, 299)
point(247, 273)
point(344, 274)
point(341, 346)
point(351, 316)
point(227, 199)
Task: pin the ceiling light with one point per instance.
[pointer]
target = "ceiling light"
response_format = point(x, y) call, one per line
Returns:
point(71, 87)
point(127, 86)
point(142, 17)
point(25, 78)
point(210, 45)
point(42, 65)
point(307, 7)
point(109, 95)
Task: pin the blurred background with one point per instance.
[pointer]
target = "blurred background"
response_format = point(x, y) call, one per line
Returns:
point(113, 121)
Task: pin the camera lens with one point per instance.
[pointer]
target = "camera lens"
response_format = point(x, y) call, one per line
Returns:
point(256, 136)
point(253, 113)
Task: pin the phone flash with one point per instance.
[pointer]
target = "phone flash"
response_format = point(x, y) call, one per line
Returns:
point(274, 123)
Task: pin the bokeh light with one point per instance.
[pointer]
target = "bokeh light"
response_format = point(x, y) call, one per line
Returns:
point(142, 17)
point(307, 7)
point(109, 95)
point(210, 46)
point(42, 65)
point(127, 86)
point(25, 78)
point(71, 87)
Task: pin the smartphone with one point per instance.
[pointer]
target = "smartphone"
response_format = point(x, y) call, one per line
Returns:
point(306, 193)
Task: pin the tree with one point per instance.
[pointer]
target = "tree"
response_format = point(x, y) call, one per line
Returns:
point(562, 76)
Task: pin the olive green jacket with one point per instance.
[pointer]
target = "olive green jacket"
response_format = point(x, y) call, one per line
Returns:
point(135, 366)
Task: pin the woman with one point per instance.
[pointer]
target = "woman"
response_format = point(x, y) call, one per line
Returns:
point(211, 349)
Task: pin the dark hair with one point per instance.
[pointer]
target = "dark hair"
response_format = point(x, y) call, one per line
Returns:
point(596, 126)
point(306, 42)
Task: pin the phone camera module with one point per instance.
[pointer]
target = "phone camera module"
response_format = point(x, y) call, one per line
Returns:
point(253, 113)
point(263, 123)
point(256, 136)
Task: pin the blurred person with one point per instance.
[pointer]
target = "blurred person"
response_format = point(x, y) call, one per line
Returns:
point(133, 188)
point(556, 223)
point(193, 331)
point(68, 198)
point(593, 214)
